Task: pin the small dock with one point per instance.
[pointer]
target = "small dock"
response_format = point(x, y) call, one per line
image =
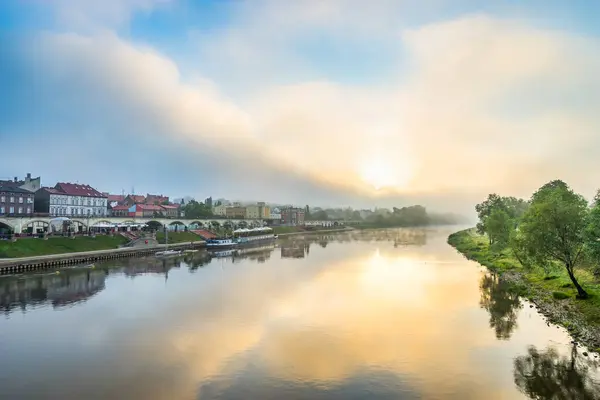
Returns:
point(38, 263)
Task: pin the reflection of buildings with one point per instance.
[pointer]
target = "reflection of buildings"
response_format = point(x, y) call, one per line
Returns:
point(295, 249)
point(69, 287)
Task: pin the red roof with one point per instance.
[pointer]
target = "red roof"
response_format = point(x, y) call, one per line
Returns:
point(52, 190)
point(115, 197)
point(75, 189)
point(137, 198)
point(153, 198)
point(170, 206)
point(120, 208)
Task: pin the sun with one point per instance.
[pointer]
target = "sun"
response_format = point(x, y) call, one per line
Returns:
point(381, 175)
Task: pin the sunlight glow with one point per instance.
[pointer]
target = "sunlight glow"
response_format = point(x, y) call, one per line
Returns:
point(381, 175)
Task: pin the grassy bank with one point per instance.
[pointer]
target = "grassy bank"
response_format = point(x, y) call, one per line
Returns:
point(38, 247)
point(554, 294)
point(177, 237)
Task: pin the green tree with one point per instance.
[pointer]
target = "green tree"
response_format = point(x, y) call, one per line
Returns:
point(553, 227)
point(499, 226)
point(592, 232)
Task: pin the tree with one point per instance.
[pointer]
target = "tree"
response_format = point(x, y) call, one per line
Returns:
point(592, 232)
point(553, 227)
point(499, 226)
point(484, 210)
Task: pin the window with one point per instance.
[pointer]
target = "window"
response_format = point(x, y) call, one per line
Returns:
point(11, 210)
point(1, 210)
point(21, 200)
point(12, 199)
point(28, 210)
point(20, 210)
point(2, 199)
point(30, 200)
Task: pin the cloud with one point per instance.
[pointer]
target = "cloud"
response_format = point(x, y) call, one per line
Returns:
point(477, 104)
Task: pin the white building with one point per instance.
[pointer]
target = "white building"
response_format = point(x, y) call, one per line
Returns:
point(221, 210)
point(71, 200)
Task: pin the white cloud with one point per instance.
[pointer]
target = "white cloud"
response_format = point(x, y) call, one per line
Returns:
point(483, 104)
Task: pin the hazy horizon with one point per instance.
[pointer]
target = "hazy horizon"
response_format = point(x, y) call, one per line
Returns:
point(327, 103)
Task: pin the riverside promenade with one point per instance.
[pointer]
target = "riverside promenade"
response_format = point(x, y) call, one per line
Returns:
point(23, 264)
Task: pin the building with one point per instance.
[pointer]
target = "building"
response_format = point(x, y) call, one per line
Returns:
point(71, 200)
point(118, 211)
point(171, 210)
point(208, 202)
point(132, 199)
point(146, 211)
point(220, 211)
point(30, 184)
point(258, 211)
point(16, 201)
point(235, 212)
point(156, 199)
point(292, 216)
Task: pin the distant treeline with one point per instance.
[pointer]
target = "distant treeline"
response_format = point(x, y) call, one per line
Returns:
point(555, 228)
point(416, 215)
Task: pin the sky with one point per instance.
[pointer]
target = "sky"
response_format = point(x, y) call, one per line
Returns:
point(321, 102)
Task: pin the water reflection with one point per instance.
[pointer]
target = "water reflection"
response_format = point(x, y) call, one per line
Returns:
point(373, 314)
point(59, 290)
point(502, 305)
point(548, 375)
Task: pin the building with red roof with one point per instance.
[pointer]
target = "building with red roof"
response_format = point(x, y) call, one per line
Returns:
point(71, 200)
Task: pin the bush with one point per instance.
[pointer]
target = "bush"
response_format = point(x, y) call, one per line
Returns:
point(560, 295)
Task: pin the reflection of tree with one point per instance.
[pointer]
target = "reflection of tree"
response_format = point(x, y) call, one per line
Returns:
point(548, 375)
point(500, 304)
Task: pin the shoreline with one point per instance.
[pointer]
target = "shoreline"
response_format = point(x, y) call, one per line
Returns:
point(316, 232)
point(568, 312)
point(35, 263)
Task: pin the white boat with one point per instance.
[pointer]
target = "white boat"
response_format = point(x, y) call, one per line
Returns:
point(220, 243)
point(167, 252)
point(247, 236)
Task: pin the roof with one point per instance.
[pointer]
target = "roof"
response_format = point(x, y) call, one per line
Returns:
point(75, 189)
point(10, 183)
point(13, 189)
point(51, 190)
point(137, 198)
point(115, 197)
point(170, 206)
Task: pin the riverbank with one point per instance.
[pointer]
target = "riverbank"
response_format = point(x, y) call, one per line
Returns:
point(23, 264)
point(554, 295)
point(32, 247)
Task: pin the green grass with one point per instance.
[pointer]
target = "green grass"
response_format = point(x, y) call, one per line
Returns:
point(38, 247)
point(535, 282)
point(177, 237)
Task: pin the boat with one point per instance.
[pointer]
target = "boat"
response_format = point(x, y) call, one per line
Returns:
point(221, 243)
point(251, 236)
point(190, 251)
point(167, 252)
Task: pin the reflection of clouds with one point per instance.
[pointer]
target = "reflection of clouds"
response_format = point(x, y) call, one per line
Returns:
point(351, 316)
point(334, 319)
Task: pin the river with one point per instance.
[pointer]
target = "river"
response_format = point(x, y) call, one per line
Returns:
point(389, 314)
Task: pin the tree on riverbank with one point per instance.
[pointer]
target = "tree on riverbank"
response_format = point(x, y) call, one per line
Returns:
point(554, 227)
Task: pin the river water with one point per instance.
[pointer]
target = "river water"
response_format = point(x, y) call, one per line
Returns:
point(390, 314)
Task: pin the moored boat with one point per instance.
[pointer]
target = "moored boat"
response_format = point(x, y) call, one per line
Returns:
point(220, 243)
point(247, 236)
